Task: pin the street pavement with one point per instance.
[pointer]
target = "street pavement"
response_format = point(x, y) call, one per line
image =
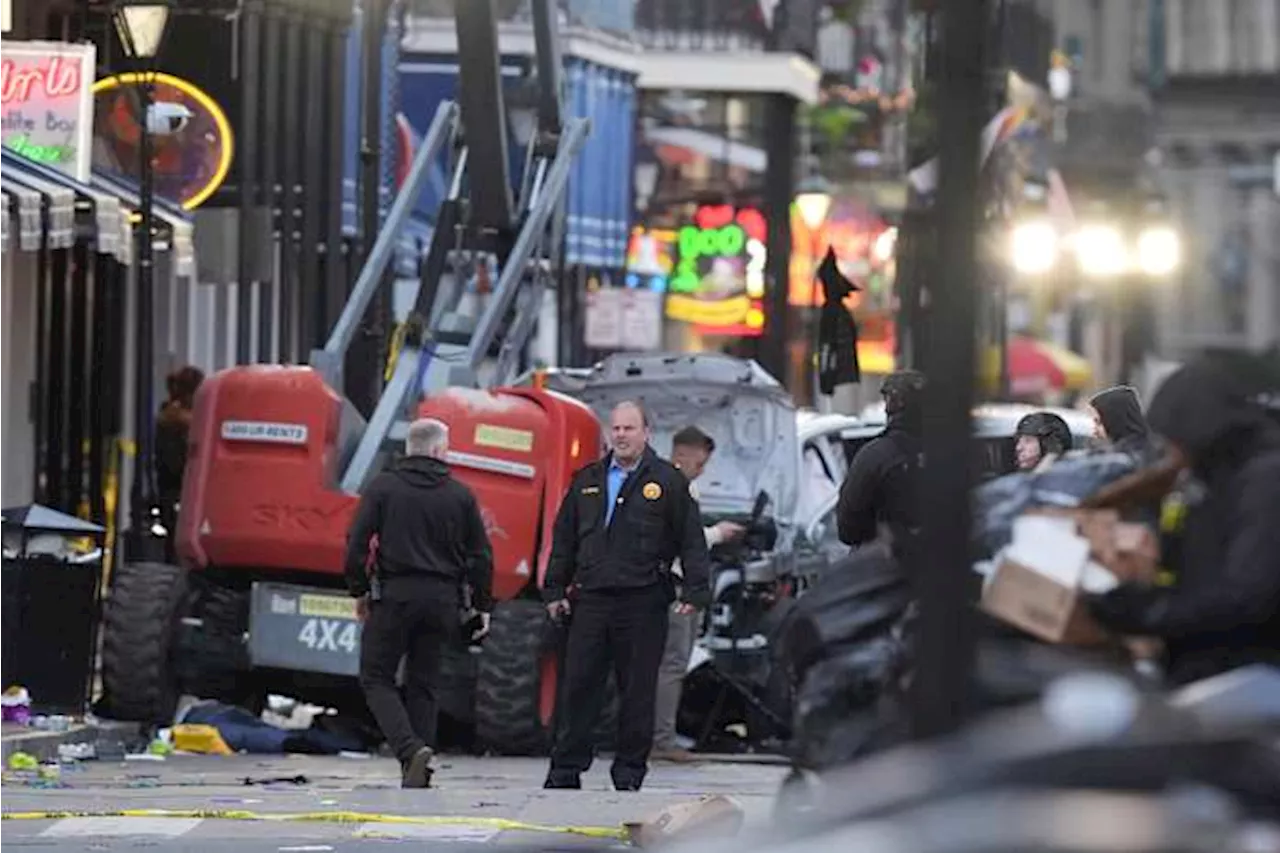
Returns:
point(352, 804)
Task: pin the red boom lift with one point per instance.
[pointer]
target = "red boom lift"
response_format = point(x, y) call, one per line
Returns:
point(277, 457)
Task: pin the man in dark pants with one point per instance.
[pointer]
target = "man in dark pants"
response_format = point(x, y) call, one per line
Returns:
point(431, 545)
point(623, 521)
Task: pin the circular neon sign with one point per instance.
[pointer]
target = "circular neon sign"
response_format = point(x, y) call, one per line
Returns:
point(192, 141)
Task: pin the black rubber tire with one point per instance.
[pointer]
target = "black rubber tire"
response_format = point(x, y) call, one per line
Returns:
point(509, 681)
point(221, 668)
point(139, 624)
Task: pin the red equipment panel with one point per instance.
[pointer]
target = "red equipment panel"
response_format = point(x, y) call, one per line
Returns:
point(260, 490)
point(516, 449)
point(260, 486)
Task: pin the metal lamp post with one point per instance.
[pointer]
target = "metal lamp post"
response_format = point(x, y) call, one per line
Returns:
point(813, 201)
point(141, 26)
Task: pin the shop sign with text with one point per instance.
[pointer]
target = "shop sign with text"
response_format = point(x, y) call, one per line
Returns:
point(717, 283)
point(45, 89)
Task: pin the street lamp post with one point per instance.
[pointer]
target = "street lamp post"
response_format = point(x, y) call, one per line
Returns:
point(813, 201)
point(141, 26)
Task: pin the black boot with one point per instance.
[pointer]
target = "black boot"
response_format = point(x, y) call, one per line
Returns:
point(416, 772)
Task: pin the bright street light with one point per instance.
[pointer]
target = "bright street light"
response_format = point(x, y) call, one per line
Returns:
point(814, 201)
point(1159, 250)
point(1100, 250)
point(1033, 247)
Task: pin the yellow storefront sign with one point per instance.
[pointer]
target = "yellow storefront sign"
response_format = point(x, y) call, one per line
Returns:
point(702, 312)
point(327, 606)
point(504, 438)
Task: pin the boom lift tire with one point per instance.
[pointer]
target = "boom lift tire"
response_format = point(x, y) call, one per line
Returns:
point(219, 667)
point(509, 680)
point(139, 625)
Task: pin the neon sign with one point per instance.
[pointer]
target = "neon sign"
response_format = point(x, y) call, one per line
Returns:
point(40, 153)
point(55, 77)
point(650, 258)
point(718, 280)
point(47, 105)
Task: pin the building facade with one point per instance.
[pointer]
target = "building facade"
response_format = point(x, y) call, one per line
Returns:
point(1216, 98)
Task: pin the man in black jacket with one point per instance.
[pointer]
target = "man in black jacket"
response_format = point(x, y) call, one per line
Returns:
point(622, 522)
point(878, 499)
point(1223, 611)
point(430, 547)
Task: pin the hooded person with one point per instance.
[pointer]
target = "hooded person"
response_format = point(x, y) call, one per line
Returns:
point(1038, 435)
point(1223, 611)
point(1118, 420)
point(878, 499)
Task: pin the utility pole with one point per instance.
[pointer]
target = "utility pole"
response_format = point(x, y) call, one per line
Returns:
point(946, 627)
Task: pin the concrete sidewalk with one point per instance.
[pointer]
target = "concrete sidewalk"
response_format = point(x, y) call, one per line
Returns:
point(44, 744)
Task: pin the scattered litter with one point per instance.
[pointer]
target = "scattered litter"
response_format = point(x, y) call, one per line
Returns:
point(149, 782)
point(277, 780)
point(305, 848)
point(77, 751)
point(328, 802)
point(52, 723)
point(23, 761)
point(709, 817)
point(354, 755)
point(202, 739)
point(16, 702)
point(160, 746)
point(50, 772)
point(143, 756)
point(240, 801)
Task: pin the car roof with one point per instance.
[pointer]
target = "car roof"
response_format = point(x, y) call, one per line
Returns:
point(810, 423)
point(992, 420)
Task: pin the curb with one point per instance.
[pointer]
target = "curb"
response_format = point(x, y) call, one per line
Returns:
point(43, 745)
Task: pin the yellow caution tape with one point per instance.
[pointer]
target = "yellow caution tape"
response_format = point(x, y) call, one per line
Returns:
point(495, 823)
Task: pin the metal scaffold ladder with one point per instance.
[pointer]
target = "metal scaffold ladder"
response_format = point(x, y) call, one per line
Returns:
point(450, 333)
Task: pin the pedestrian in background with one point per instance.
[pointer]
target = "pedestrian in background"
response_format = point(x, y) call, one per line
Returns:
point(623, 521)
point(691, 450)
point(173, 428)
point(1118, 422)
point(431, 552)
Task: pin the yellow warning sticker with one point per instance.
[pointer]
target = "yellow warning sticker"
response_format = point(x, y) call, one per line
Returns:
point(330, 606)
point(506, 438)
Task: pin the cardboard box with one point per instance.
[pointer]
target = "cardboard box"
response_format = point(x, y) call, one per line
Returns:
point(1039, 580)
point(1040, 605)
point(1129, 551)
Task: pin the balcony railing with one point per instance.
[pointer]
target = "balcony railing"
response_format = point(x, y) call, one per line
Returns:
point(614, 16)
point(727, 25)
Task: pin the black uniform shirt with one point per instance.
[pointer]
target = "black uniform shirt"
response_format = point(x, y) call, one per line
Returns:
point(654, 521)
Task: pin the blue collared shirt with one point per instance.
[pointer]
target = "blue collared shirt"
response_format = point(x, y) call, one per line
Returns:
point(613, 487)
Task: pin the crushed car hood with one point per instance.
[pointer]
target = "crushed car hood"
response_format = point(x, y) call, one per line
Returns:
point(750, 416)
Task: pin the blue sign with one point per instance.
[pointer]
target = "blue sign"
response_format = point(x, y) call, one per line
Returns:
point(599, 204)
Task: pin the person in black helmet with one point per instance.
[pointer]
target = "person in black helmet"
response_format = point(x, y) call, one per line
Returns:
point(879, 495)
point(1038, 435)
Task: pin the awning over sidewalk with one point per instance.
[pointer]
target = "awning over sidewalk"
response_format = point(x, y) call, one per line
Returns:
point(172, 217)
point(48, 201)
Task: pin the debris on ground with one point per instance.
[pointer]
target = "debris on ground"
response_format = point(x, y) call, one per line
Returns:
point(77, 751)
point(23, 761)
point(16, 703)
point(710, 817)
point(277, 780)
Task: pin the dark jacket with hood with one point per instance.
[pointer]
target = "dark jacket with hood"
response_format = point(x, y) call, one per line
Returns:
point(882, 486)
point(428, 527)
point(655, 521)
point(1224, 611)
point(1120, 411)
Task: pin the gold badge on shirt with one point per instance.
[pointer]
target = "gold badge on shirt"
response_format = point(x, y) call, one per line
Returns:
point(651, 491)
